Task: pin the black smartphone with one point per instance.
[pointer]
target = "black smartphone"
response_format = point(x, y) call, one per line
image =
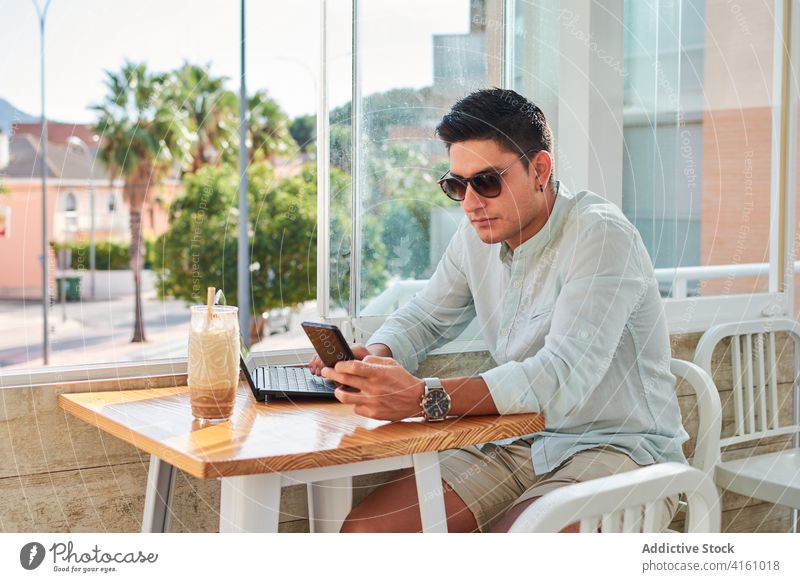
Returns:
point(329, 342)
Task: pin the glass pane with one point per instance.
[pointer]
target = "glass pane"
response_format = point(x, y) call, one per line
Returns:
point(340, 91)
point(797, 243)
point(184, 101)
point(697, 141)
point(536, 52)
point(417, 59)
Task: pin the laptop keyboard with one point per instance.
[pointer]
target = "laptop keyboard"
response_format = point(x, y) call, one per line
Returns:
point(297, 379)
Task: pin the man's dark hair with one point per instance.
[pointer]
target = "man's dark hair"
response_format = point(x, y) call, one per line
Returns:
point(502, 115)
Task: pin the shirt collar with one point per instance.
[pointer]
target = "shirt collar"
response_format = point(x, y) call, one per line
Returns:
point(553, 225)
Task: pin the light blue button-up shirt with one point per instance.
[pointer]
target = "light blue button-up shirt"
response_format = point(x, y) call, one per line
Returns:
point(575, 322)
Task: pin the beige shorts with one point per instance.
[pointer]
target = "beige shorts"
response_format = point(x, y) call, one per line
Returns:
point(495, 478)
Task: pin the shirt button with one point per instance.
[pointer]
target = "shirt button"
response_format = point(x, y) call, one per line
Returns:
point(583, 334)
point(517, 284)
point(504, 332)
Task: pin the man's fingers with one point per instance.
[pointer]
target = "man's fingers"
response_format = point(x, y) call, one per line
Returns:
point(315, 365)
point(359, 351)
point(354, 368)
point(342, 378)
point(367, 367)
point(379, 360)
point(347, 397)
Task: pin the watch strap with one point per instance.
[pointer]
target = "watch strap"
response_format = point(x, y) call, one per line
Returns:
point(432, 384)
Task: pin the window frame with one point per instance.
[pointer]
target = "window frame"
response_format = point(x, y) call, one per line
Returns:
point(682, 314)
point(604, 24)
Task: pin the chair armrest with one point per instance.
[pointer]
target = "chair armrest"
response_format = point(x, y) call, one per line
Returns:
point(640, 488)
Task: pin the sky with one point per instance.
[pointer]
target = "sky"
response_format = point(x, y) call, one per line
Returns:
point(84, 38)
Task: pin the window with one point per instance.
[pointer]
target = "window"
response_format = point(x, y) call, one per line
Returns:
point(200, 101)
point(385, 158)
point(663, 132)
point(69, 219)
point(700, 181)
point(383, 139)
point(669, 109)
point(693, 158)
point(70, 202)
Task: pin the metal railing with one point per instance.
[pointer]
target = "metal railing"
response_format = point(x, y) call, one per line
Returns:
point(679, 277)
point(401, 291)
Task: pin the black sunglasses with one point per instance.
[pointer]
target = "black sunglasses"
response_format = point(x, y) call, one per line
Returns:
point(486, 184)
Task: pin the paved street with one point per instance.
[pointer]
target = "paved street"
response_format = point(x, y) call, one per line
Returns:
point(100, 332)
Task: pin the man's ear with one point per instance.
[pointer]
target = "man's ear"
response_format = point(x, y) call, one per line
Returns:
point(542, 164)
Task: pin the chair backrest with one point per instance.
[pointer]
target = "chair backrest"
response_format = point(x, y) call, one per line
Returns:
point(709, 412)
point(754, 367)
point(626, 502)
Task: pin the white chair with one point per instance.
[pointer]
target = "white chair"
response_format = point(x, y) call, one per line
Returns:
point(709, 413)
point(626, 502)
point(772, 477)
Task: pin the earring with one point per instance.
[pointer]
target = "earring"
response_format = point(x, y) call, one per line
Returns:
point(541, 188)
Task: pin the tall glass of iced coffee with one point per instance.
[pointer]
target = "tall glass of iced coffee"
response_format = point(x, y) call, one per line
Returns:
point(213, 361)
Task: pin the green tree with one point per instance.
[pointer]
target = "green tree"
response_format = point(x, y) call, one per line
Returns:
point(304, 132)
point(200, 247)
point(402, 193)
point(210, 108)
point(213, 116)
point(401, 107)
point(268, 128)
point(141, 138)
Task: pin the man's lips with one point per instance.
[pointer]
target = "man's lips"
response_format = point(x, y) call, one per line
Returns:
point(482, 221)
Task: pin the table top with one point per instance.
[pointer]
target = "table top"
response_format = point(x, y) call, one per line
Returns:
point(277, 436)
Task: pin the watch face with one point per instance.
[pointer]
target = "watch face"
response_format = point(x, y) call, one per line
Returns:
point(437, 404)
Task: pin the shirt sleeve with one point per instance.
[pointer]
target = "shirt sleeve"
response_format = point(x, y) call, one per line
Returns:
point(602, 288)
point(435, 315)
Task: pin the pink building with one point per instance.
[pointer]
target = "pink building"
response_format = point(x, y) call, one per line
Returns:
point(70, 170)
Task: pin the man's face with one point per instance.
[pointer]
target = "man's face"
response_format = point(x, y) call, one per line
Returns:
point(521, 209)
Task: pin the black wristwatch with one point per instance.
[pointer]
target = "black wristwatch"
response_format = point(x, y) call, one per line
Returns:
point(435, 402)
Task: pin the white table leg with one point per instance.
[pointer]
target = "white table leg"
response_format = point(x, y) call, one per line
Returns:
point(158, 496)
point(429, 490)
point(251, 503)
point(329, 502)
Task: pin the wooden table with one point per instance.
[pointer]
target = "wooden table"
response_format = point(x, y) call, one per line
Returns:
point(265, 446)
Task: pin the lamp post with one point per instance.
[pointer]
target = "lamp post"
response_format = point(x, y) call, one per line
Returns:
point(75, 141)
point(243, 270)
point(41, 12)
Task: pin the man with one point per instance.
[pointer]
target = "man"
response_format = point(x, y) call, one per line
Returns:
point(569, 307)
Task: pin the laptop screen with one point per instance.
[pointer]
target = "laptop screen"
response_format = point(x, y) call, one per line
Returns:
point(245, 363)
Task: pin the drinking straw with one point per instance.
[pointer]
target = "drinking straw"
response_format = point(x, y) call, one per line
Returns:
point(210, 302)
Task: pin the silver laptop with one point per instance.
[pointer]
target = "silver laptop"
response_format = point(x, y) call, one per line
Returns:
point(283, 382)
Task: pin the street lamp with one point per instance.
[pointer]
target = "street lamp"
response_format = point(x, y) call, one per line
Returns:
point(243, 270)
point(75, 141)
point(41, 12)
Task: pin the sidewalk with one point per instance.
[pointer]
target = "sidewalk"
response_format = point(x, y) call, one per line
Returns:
point(100, 332)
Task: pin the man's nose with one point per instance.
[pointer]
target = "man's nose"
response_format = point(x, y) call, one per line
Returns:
point(472, 200)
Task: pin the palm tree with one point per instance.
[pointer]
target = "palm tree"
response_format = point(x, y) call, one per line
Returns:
point(268, 129)
point(142, 136)
point(211, 110)
point(213, 119)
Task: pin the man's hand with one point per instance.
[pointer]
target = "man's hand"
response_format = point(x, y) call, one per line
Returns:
point(388, 391)
point(315, 366)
